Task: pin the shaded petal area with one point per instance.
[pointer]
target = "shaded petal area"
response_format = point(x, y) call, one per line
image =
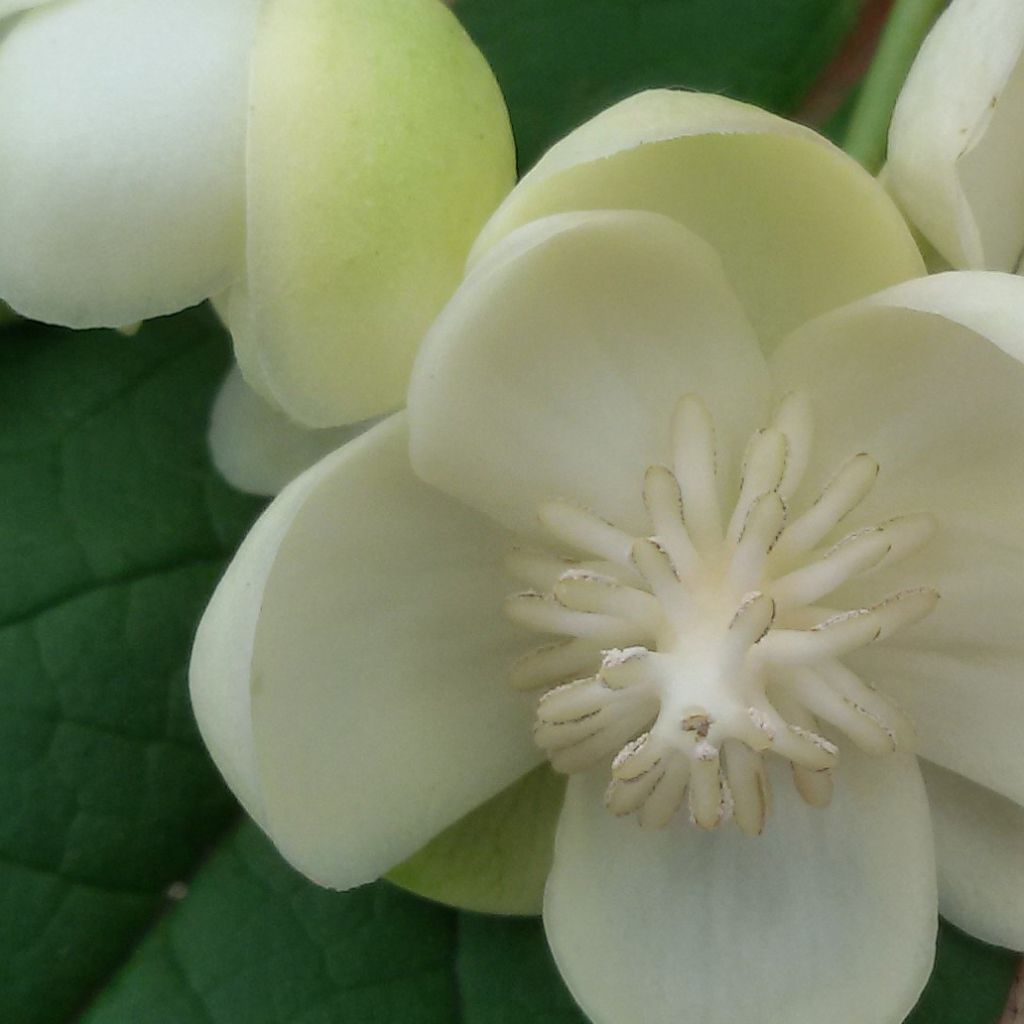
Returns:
point(979, 842)
point(350, 673)
point(956, 142)
point(829, 915)
point(256, 447)
point(122, 177)
point(800, 226)
point(555, 369)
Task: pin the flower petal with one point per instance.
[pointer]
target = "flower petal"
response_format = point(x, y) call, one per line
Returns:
point(350, 673)
point(800, 226)
point(928, 379)
point(122, 157)
point(9, 7)
point(497, 858)
point(829, 915)
point(362, 209)
point(956, 142)
point(979, 841)
point(256, 447)
point(555, 369)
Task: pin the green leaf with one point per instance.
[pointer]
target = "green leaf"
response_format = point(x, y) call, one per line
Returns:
point(253, 942)
point(561, 61)
point(113, 529)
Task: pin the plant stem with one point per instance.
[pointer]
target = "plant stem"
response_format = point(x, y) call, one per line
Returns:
point(904, 32)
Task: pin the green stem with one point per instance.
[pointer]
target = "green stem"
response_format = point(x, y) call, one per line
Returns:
point(904, 32)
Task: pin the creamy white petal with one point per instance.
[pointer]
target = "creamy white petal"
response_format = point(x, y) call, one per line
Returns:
point(957, 674)
point(800, 226)
point(122, 157)
point(378, 144)
point(928, 379)
point(979, 843)
point(256, 447)
point(350, 674)
point(555, 369)
point(956, 143)
point(829, 915)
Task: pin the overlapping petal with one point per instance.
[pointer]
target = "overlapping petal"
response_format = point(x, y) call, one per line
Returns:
point(122, 157)
point(554, 370)
point(800, 226)
point(362, 209)
point(928, 379)
point(956, 143)
point(349, 676)
point(256, 447)
point(979, 839)
point(826, 916)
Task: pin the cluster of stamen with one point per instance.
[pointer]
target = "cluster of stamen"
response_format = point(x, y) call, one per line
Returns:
point(688, 655)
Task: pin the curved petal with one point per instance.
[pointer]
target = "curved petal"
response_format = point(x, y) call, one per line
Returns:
point(957, 674)
point(928, 379)
point(497, 858)
point(956, 142)
point(829, 915)
point(256, 448)
point(122, 157)
point(555, 369)
point(979, 844)
point(800, 226)
point(362, 209)
point(350, 673)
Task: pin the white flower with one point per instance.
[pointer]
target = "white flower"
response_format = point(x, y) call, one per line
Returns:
point(956, 143)
point(684, 286)
point(318, 167)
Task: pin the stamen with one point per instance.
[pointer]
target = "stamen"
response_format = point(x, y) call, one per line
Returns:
point(749, 785)
point(588, 592)
point(585, 531)
point(556, 663)
point(545, 615)
point(795, 419)
point(537, 570)
point(665, 507)
point(840, 497)
point(692, 654)
point(858, 552)
point(763, 467)
point(760, 531)
point(693, 441)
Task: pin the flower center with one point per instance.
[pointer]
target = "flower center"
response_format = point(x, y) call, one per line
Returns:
point(690, 654)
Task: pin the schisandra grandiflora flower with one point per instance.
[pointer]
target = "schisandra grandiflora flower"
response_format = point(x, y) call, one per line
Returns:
point(707, 498)
point(956, 144)
point(318, 167)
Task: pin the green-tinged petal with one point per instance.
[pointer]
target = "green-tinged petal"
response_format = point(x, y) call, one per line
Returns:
point(830, 915)
point(122, 157)
point(349, 676)
point(256, 447)
point(928, 379)
point(496, 859)
point(800, 226)
point(378, 144)
point(956, 143)
point(979, 843)
point(555, 369)
point(8, 7)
